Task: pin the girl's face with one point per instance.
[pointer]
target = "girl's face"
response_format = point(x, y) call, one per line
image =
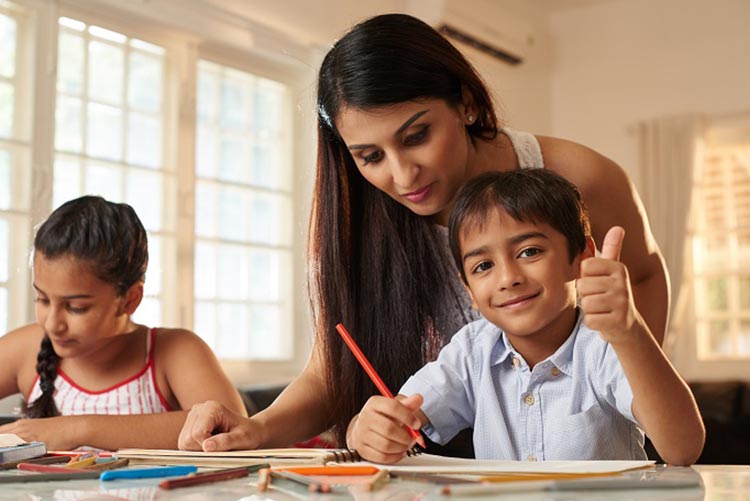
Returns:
point(416, 152)
point(76, 310)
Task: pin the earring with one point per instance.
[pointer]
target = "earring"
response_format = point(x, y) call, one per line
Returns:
point(470, 119)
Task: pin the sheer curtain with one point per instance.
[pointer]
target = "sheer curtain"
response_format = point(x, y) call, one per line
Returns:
point(668, 152)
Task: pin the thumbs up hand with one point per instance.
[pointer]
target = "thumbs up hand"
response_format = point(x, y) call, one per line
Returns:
point(604, 291)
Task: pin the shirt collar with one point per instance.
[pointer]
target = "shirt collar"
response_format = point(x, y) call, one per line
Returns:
point(562, 358)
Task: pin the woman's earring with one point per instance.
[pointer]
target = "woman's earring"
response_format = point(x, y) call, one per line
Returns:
point(470, 119)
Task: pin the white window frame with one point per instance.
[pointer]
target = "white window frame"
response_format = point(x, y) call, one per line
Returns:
point(189, 34)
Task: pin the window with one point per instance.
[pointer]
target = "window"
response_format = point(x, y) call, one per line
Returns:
point(15, 171)
point(721, 249)
point(211, 182)
point(243, 215)
point(108, 135)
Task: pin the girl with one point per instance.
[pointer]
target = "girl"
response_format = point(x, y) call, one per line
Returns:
point(99, 379)
point(403, 121)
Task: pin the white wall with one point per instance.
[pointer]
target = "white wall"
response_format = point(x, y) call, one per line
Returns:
point(622, 61)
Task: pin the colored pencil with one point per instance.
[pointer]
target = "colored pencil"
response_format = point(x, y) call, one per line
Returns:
point(42, 460)
point(378, 480)
point(46, 468)
point(211, 476)
point(313, 485)
point(333, 470)
point(370, 370)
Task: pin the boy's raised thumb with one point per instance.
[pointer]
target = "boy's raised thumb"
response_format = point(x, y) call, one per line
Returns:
point(612, 245)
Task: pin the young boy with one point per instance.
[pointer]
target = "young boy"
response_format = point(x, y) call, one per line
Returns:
point(539, 378)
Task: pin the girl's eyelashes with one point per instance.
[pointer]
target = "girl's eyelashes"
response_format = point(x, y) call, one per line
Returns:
point(373, 157)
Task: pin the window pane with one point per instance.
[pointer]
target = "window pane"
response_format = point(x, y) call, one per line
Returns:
point(5, 180)
point(233, 104)
point(233, 166)
point(233, 214)
point(105, 181)
point(205, 209)
point(205, 271)
point(7, 46)
point(144, 140)
point(152, 287)
point(717, 294)
point(743, 339)
point(4, 250)
point(145, 193)
point(269, 213)
point(144, 82)
point(233, 273)
point(268, 108)
point(206, 149)
point(265, 275)
point(266, 167)
point(70, 64)
point(745, 293)
point(205, 322)
point(208, 92)
point(3, 310)
point(234, 325)
point(148, 312)
point(265, 341)
point(105, 72)
point(720, 338)
point(67, 181)
point(104, 132)
point(68, 130)
point(6, 109)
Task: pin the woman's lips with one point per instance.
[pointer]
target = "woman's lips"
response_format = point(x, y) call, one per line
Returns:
point(419, 195)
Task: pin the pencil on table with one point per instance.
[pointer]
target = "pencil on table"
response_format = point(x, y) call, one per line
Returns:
point(264, 478)
point(370, 370)
point(378, 480)
point(313, 485)
point(210, 476)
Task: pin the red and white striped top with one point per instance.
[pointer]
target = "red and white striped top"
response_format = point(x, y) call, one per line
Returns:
point(138, 394)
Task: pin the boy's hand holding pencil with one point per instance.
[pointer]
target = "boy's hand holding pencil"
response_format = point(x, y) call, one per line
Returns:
point(605, 292)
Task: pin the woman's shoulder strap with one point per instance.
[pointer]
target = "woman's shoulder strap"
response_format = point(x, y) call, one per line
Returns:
point(527, 149)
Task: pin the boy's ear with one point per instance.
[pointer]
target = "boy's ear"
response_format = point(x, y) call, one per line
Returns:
point(468, 290)
point(131, 299)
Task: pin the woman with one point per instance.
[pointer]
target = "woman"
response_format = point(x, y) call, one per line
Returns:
point(403, 121)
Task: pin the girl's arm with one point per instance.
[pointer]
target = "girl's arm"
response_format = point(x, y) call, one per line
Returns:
point(612, 200)
point(297, 414)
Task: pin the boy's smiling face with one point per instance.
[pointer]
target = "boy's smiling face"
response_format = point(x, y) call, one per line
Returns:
point(520, 277)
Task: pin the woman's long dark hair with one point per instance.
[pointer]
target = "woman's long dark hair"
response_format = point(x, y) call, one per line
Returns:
point(375, 265)
point(111, 240)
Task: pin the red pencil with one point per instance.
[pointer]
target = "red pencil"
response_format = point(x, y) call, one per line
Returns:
point(373, 375)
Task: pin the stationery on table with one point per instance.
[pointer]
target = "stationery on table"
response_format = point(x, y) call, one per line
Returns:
point(13, 448)
point(157, 472)
point(374, 376)
point(47, 477)
point(210, 476)
point(313, 484)
point(40, 460)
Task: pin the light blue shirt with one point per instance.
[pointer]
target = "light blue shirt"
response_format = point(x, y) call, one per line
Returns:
point(576, 404)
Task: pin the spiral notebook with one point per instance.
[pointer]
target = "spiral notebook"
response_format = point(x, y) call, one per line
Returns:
point(274, 457)
point(417, 463)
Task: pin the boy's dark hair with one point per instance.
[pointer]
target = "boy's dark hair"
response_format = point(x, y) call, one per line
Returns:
point(108, 237)
point(535, 195)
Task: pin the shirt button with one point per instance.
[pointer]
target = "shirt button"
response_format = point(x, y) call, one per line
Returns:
point(529, 399)
point(531, 458)
point(555, 371)
point(516, 362)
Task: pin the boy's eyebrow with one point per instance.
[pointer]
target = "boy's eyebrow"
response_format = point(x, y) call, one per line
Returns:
point(405, 125)
point(73, 296)
point(515, 240)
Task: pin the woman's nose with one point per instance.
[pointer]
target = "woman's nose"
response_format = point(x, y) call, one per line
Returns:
point(404, 172)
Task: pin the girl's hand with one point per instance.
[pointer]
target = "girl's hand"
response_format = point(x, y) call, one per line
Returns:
point(605, 292)
point(211, 426)
point(57, 433)
point(378, 433)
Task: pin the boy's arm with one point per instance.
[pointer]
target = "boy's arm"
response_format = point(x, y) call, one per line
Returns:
point(662, 402)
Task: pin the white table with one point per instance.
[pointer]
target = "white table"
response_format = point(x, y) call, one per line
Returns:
point(726, 483)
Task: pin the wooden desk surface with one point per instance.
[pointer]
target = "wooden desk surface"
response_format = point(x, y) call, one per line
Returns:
point(726, 483)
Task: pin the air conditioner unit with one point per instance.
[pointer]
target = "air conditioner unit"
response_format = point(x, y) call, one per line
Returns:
point(481, 25)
